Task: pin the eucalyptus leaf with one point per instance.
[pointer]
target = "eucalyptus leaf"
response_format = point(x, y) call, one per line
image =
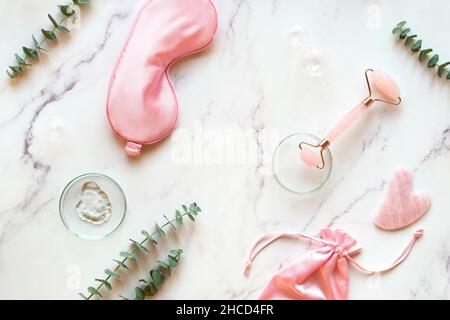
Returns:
point(404, 33)
point(30, 53)
point(157, 277)
point(416, 46)
point(122, 264)
point(159, 230)
point(169, 222)
point(423, 54)
point(401, 23)
point(433, 61)
point(178, 217)
point(112, 273)
point(190, 216)
point(105, 283)
point(149, 237)
point(140, 295)
point(410, 39)
point(128, 255)
point(173, 262)
point(81, 2)
point(94, 292)
point(50, 35)
point(55, 24)
point(442, 69)
point(83, 296)
point(63, 29)
point(67, 10)
point(140, 246)
point(151, 289)
point(21, 61)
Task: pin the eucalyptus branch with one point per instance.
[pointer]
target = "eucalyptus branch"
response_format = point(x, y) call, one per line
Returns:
point(191, 212)
point(30, 54)
point(157, 276)
point(404, 34)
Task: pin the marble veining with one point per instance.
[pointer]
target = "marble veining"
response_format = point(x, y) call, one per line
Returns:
point(251, 81)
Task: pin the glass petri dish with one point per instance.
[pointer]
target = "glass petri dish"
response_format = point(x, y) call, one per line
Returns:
point(92, 206)
point(289, 169)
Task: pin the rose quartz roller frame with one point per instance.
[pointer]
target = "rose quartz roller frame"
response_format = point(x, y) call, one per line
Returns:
point(142, 105)
point(385, 85)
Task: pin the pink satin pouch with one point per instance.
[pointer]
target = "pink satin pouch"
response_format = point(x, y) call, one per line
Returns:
point(322, 273)
point(142, 105)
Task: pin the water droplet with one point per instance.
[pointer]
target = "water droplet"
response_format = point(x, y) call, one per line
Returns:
point(296, 36)
point(314, 62)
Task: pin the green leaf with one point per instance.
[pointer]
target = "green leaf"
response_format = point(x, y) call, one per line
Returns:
point(21, 61)
point(63, 29)
point(148, 236)
point(157, 277)
point(409, 39)
point(128, 255)
point(140, 295)
point(105, 283)
point(67, 10)
point(442, 69)
point(94, 292)
point(178, 217)
point(159, 230)
point(81, 2)
point(404, 33)
point(123, 298)
point(151, 289)
point(30, 53)
point(416, 46)
point(396, 30)
point(16, 69)
point(433, 61)
point(122, 264)
point(423, 54)
point(11, 75)
point(173, 262)
point(140, 246)
point(196, 207)
point(50, 35)
point(190, 216)
point(448, 76)
point(36, 44)
point(177, 253)
point(169, 222)
point(163, 266)
point(185, 209)
point(111, 273)
point(143, 281)
point(401, 24)
point(83, 296)
point(55, 24)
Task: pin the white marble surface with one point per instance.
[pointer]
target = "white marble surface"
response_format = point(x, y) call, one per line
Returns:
point(252, 80)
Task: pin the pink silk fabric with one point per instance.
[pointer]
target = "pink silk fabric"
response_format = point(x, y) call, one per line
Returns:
point(142, 105)
point(320, 274)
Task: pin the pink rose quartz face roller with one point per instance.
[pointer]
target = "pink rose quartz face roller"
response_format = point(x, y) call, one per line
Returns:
point(309, 170)
point(142, 106)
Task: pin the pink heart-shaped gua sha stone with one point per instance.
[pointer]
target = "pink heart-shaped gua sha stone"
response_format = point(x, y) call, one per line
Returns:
point(142, 105)
point(401, 206)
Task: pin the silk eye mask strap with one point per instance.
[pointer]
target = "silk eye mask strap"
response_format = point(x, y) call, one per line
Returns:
point(269, 238)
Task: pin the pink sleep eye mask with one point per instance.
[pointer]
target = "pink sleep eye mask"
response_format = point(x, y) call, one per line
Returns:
point(142, 106)
point(401, 206)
